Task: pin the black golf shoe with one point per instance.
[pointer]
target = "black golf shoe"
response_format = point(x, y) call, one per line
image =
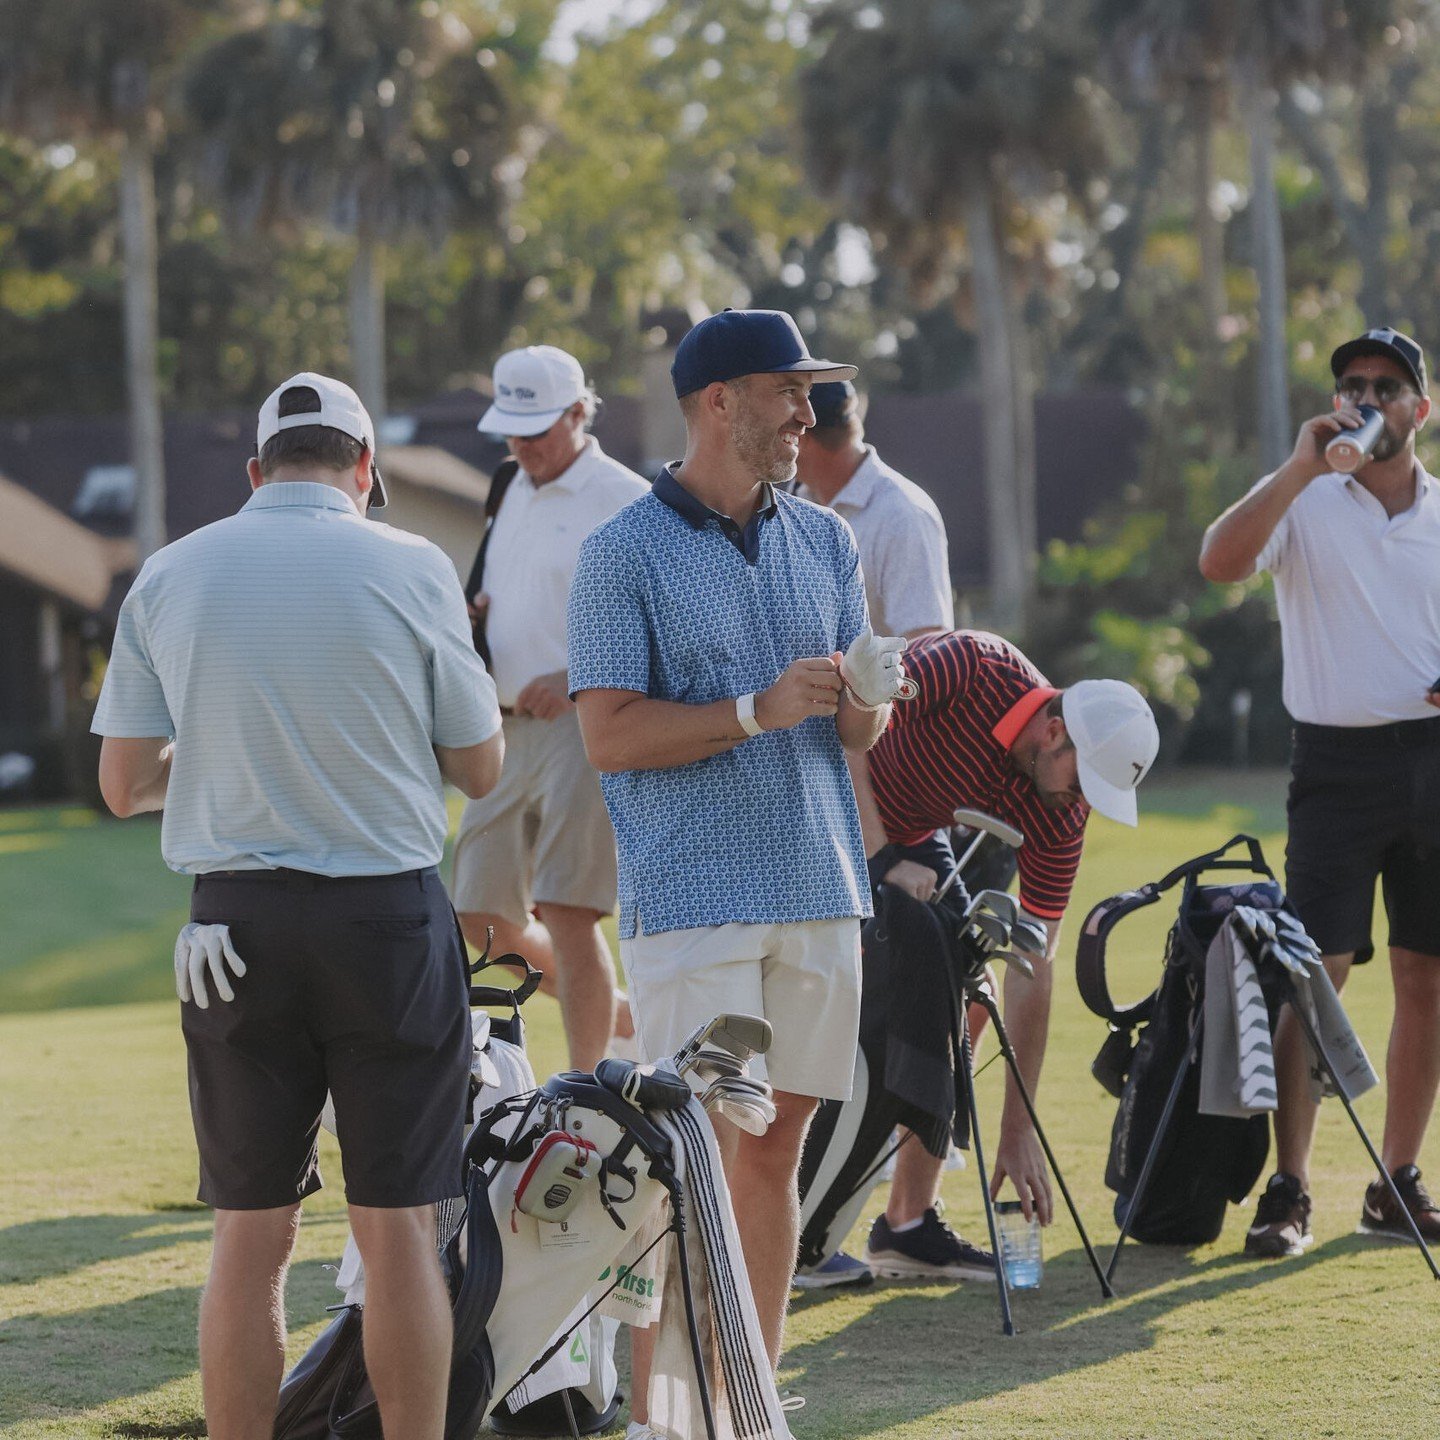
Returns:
point(1282, 1220)
point(1381, 1216)
point(929, 1251)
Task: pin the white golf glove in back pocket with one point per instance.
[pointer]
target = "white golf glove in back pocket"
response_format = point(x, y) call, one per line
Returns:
point(202, 949)
point(872, 669)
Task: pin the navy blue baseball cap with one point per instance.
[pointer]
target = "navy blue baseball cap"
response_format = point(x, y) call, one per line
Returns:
point(833, 402)
point(746, 342)
point(1404, 351)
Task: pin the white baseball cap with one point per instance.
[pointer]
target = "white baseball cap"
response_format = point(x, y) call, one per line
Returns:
point(534, 387)
point(332, 404)
point(1115, 739)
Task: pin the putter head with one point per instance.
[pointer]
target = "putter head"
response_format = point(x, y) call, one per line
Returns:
point(979, 820)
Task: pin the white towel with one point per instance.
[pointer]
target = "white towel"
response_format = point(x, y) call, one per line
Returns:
point(1237, 1067)
point(1347, 1055)
point(744, 1401)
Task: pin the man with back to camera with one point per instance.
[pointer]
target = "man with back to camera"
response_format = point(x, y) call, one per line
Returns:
point(1356, 564)
point(987, 732)
point(905, 560)
point(541, 839)
point(292, 685)
point(721, 662)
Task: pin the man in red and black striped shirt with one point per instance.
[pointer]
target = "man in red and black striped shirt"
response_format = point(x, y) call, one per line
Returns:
point(987, 732)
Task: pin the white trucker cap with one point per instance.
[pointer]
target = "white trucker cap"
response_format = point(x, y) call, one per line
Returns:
point(534, 387)
point(1115, 739)
point(334, 405)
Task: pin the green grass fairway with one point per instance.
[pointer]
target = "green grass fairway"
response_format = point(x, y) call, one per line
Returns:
point(103, 1251)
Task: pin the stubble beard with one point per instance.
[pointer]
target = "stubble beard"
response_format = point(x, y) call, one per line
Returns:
point(755, 445)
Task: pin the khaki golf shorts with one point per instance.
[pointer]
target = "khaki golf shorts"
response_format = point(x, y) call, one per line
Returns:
point(542, 834)
point(804, 978)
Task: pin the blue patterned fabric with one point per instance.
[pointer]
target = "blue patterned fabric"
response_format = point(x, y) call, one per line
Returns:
point(667, 604)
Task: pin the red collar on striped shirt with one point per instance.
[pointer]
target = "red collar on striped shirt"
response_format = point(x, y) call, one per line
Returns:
point(1014, 720)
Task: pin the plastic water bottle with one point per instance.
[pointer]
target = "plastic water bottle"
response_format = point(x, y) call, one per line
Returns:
point(1019, 1245)
point(1350, 449)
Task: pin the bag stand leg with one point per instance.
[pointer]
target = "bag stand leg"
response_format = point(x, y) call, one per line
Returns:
point(982, 994)
point(1002, 1283)
point(1192, 1049)
point(691, 1324)
point(1292, 999)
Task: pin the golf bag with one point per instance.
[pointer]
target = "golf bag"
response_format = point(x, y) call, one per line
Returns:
point(1204, 1161)
point(907, 1071)
point(328, 1396)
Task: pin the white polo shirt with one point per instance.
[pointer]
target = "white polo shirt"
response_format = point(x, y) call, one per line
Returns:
point(531, 560)
point(307, 661)
point(1359, 599)
point(903, 550)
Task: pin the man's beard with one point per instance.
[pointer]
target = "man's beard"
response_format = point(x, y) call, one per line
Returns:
point(756, 447)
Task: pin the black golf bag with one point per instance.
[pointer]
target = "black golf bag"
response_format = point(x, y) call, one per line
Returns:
point(1203, 1161)
point(908, 1071)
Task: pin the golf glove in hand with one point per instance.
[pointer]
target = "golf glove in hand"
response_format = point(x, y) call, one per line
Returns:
point(871, 669)
point(202, 948)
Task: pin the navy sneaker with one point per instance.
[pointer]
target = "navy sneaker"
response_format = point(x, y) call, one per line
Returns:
point(839, 1269)
point(930, 1251)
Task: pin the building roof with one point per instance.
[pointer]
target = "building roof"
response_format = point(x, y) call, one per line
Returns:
point(56, 554)
point(1087, 444)
point(431, 468)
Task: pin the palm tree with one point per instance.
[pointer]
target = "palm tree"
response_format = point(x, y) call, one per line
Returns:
point(374, 118)
point(930, 124)
point(94, 68)
point(1252, 48)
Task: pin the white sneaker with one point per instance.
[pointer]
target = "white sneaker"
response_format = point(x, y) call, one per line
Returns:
point(637, 1430)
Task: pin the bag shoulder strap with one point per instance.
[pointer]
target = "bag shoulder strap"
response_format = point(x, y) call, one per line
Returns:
point(1090, 949)
point(505, 472)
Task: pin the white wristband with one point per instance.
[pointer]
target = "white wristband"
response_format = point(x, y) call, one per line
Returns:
point(745, 714)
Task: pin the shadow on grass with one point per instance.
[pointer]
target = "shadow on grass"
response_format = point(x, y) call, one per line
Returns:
point(944, 1348)
point(42, 1249)
point(74, 1362)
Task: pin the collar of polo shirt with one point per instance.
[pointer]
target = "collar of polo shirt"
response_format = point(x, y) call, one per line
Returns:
point(859, 489)
point(697, 512)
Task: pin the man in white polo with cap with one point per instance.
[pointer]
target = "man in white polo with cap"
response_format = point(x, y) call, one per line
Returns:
point(535, 859)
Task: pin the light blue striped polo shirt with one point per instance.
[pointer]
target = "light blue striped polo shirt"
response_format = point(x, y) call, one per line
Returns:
point(306, 660)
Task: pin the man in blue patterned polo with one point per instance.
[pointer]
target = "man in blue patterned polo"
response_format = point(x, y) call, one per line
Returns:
point(722, 662)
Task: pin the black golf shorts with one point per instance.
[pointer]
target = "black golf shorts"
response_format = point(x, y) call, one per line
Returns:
point(357, 986)
point(1365, 804)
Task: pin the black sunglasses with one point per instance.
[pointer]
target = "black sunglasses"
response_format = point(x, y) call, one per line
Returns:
point(1387, 388)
